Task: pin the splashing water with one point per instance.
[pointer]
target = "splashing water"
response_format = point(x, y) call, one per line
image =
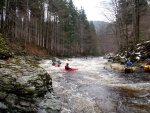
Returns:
point(93, 89)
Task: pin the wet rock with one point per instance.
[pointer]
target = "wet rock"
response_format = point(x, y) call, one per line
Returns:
point(51, 103)
point(23, 85)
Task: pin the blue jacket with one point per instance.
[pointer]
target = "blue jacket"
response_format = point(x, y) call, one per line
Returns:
point(129, 63)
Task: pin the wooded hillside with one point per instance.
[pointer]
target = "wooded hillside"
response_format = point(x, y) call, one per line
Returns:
point(54, 25)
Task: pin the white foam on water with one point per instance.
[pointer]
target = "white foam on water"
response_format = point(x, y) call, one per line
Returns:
point(90, 72)
point(134, 86)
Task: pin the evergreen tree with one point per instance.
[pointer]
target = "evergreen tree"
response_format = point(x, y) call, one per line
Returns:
point(85, 37)
point(93, 46)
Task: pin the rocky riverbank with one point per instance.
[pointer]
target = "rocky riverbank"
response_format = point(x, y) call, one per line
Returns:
point(138, 55)
point(25, 87)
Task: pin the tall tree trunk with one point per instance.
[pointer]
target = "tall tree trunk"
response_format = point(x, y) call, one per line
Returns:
point(136, 21)
point(2, 16)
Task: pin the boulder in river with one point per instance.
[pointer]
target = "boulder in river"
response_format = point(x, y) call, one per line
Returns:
point(23, 85)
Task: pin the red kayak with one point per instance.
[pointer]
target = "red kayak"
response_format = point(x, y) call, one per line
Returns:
point(72, 70)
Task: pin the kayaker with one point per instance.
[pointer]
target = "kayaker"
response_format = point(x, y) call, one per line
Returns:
point(148, 62)
point(129, 63)
point(67, 67)
point(56, 62)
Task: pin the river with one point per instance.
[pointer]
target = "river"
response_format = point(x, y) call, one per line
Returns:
point(94, 89)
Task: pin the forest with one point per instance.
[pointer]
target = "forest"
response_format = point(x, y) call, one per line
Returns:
point(61, 29)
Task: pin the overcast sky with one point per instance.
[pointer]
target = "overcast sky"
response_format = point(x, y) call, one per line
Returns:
point(94, 9)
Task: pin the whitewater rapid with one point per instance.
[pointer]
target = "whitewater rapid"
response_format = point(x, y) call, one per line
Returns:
point(94, 89)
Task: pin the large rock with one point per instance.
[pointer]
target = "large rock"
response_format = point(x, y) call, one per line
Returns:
point(22, 84)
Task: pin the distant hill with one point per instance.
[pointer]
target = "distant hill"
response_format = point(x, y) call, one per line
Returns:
point(100, 24)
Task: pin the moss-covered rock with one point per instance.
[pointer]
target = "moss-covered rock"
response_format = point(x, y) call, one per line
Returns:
point(23, 85)
point(5, 52)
